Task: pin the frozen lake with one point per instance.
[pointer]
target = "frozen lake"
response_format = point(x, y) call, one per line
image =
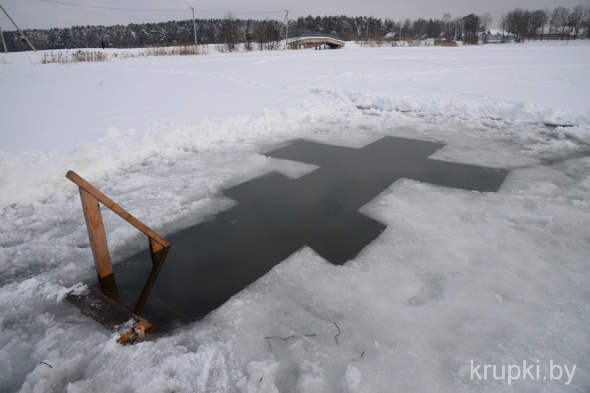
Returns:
point(449, 279)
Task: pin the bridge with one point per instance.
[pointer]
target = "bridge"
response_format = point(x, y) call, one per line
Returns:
point(315, 41)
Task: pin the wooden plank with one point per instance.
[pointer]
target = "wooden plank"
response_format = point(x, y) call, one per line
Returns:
point(111, 315)
point(97, 235)
point(103, 310)
point(83, 184)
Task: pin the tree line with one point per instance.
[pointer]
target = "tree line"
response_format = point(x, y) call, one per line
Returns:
point(266, 34)
point(560, 22)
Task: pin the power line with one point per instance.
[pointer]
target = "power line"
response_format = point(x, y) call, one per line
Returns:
point(109, 8)
point(158, 10)
point(241, 12)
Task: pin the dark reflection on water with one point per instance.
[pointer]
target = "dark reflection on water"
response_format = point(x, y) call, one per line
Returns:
point(275, 216)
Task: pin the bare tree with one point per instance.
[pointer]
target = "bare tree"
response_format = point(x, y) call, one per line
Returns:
point(518, 21)
point(420, 27)
point(407, 27)
point(485, 21)
point(260, 34)
point(447, 20)
point(502, 22)
point(586, 21)
point(266, 34)
point(576, 19)
point(539, 19)
point(229, 33)
point(458, 25)
point(559, 19)
point(248, 34)
point(472, 27)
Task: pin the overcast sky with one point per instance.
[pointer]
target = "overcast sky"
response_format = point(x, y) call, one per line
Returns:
point(37, 14)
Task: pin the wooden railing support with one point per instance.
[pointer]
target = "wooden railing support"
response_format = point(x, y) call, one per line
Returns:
point(104, 306)
point(96, 234)
point(91, 199)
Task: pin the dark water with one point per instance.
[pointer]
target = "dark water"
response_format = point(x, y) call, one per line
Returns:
point(275, 216)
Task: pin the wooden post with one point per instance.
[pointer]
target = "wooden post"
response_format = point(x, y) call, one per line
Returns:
point(3, 42)
point(158, 256)
point(108, 286)
point(147, 288)
point(96, 234)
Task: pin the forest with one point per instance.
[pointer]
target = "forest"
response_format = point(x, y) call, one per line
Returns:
point(230, 31)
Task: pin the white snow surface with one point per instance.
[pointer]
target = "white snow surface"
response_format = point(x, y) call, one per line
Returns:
point(457, 278)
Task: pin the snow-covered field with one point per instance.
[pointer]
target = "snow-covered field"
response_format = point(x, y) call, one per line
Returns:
point(458, 282)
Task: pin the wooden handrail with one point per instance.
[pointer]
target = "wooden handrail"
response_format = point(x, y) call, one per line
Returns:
point(91, 198)
point(108, 202)
point(95, 305)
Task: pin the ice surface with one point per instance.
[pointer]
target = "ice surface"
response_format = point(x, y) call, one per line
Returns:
point(497, 278)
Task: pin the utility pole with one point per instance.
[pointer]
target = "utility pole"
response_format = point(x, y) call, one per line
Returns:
point(3, 42)
point(19, 30)
point(195, 27)
point(286, 29)
point(286, 26)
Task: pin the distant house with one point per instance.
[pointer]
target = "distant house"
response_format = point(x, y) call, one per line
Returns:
point(445, 36)
point(496, 36)
point(558, 33)
point(391, 36)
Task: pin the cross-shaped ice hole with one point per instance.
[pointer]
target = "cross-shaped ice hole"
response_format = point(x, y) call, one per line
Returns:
point(275, 216)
